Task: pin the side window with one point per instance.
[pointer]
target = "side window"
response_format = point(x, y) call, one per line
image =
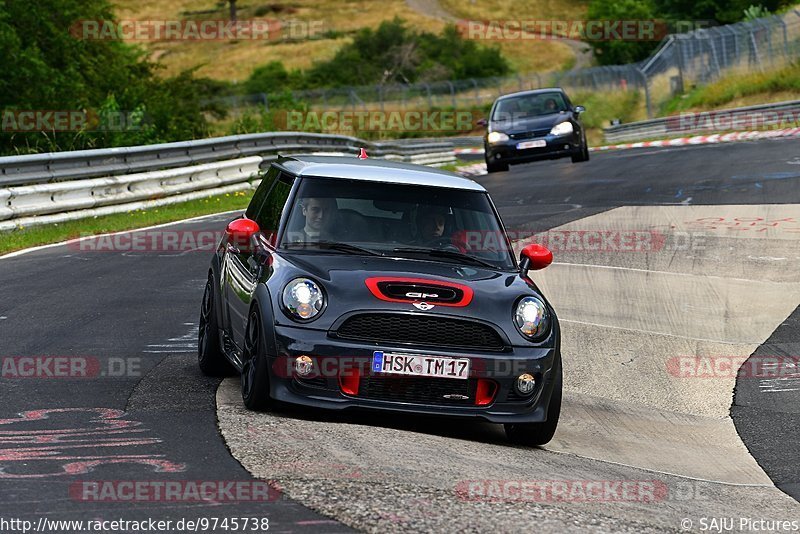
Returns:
point(269, 215)
point(261, 193)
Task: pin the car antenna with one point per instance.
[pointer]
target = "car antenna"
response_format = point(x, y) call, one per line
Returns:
point(362, 154)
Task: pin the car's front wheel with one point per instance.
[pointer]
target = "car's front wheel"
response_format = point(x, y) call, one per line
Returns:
point(496, 167)
point(533, 434)
point(255, 372)
point(583, 155)
point(210, 358)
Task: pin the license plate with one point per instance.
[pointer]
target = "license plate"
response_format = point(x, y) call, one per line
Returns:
point(420, 365)
point(532, 144)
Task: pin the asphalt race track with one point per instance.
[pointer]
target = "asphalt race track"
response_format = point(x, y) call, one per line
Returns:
point(716, 279)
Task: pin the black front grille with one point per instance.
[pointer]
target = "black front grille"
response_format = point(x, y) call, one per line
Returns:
point(530, 134)
point(418, 390)
point(420, 330)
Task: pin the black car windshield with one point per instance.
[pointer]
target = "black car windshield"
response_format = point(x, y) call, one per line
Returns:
point(342, 216)
point(531, 105)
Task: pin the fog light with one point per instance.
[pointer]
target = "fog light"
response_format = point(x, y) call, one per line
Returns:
point(303, 365)
point(566, 147)
point(526, 384)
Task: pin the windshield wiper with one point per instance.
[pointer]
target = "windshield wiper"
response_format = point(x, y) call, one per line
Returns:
point(452, 254)
point(333, 245)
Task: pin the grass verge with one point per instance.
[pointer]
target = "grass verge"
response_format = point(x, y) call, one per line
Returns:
point(55, 233)
point(740, 89)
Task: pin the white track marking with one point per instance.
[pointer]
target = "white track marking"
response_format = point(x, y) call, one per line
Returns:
point(77, 239)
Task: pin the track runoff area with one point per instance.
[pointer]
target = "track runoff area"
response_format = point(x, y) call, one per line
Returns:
point(676, 281)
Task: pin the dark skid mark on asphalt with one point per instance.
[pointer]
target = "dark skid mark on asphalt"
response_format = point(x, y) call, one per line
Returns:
point(114, 306)
point(769, 421)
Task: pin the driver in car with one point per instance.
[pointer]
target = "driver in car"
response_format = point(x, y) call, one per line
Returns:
point(431, 225)
point(550, 105)
point(319, 214)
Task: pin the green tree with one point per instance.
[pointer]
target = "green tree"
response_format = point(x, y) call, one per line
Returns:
point(619, 51)
point(393, 53)
point(49, 64)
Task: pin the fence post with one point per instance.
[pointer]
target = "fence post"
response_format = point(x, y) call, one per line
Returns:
point(477, 92)
point(679, 44)
point(785, 39)
point(452, 93)
point(646, 93)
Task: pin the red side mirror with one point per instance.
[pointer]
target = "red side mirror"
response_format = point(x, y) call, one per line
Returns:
point(535, 257)
point(240, 231)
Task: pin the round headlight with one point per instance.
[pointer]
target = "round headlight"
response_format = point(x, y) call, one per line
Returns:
point(532, 318)
point(497, 137)
point(562, 128)
point(303, 299)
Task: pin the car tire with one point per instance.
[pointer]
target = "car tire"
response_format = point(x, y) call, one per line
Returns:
point(255, 368)
point(496, 167)
point(583, 155)
point(535, 434)
point(210, 358)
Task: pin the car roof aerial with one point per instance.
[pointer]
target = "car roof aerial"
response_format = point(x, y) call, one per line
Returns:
point(374, 170)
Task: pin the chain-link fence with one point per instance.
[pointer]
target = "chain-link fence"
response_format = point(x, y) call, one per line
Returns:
point(680, 61)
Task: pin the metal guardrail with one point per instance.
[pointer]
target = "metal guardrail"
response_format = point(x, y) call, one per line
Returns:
point(703, 122)
point(46, 188)
point(82, 164)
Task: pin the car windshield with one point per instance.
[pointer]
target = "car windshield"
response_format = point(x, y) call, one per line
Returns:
point(374, 218)
point(532, 105)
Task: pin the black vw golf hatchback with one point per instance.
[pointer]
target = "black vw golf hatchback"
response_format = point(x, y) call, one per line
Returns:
point(356, 284)
point(531, 126)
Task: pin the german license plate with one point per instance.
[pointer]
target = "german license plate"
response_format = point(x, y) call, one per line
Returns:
point(420, 365)
point(532, 144)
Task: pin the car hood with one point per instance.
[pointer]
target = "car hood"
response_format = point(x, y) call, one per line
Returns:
point(344, 280)
point(526, 124)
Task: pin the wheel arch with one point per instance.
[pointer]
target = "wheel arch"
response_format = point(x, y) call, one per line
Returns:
point(262, 300)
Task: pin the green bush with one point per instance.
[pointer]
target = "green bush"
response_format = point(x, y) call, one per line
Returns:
point(393, 53)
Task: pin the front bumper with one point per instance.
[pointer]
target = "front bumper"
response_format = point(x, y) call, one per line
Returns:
point(556, 147)
point(334, 358)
